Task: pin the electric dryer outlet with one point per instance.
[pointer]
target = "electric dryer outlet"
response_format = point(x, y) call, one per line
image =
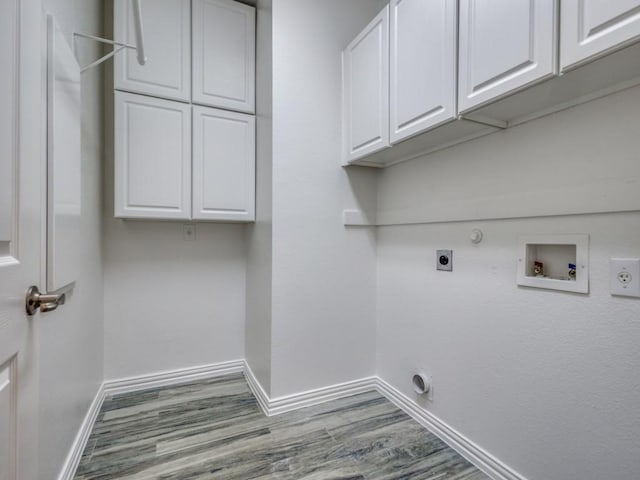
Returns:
point(444, 260)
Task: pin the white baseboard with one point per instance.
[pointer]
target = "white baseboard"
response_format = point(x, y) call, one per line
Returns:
point(70, 465)
point(256, 389)
point(287, 403)
point(172, 377)
point(482, 459)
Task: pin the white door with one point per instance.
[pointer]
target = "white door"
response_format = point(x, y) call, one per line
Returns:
point(224, 145)
point(591, 28)
point(423, 65)
point(167, 40)
point(20, 232)
point(152, 157)
point(365, 90)
point(504, 45)
point(224, 51)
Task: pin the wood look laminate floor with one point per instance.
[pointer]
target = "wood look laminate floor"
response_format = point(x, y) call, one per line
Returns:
point(214, 429)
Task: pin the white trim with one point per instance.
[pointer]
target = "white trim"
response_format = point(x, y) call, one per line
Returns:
point(288, 403)
point(256, 389)
point(70, 465)
point(479, 457)
point(172, 377)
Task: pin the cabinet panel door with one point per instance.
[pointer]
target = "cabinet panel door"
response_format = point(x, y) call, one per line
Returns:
point(423, 65)
point(167, 41)
point(504, 45)
point(223, 165)
point(590, 28)
point(152, 157)
point(224, 54)
point(365, 70)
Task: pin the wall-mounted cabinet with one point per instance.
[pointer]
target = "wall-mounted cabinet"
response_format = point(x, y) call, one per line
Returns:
point(503, 47)
point(200, 51)
point(175, 161)
point(223, 165)
point(152, 157)
point(200, 54)
point(599, 50)
point(224, 54)
point(592, 28)
point(167, 31)
point(422, 66)
point(365, 64)
point(399, 81)
point(508, 70)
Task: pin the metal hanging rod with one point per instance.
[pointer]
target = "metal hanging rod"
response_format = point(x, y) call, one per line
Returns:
point(118, 46)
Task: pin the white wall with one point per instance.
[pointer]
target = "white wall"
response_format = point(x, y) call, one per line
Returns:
point(259, 235)
point(323, 273)
point(544, 380)
point(71, 338)
point(169, 303)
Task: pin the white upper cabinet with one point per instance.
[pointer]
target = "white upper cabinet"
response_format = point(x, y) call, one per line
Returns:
point(167, 31)
point(591, 28)
point(365, 64)
point(152, 157)
point(504, 45)
point(224, 54)
point(223, 165)
point(422, 64)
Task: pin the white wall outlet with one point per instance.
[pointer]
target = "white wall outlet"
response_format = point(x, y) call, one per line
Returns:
point(189, 232)
point(625, 276)
point(444, 260)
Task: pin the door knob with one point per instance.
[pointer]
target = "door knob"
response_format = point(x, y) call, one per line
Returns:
point(46, 302)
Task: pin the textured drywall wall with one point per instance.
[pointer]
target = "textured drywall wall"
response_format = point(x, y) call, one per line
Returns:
point(581, 160)
point(323, 273)
point(259, 234)
point(546, 381)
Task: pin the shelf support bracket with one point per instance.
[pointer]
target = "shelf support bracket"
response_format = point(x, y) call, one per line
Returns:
point(118, 46)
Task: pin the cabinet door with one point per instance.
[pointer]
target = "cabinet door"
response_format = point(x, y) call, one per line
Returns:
point(224, 54)
point(504, 45)
point(152, 157)
point(223, 165)
point(167, 41)
point(590, 28)
point(365, 71)
point(423, 65)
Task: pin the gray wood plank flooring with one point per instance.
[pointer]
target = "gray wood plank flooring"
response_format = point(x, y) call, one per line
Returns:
point(214, 429)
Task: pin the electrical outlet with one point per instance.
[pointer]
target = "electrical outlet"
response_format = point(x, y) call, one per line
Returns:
point(444, 260)
point(189, 232)
point(625, 276)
